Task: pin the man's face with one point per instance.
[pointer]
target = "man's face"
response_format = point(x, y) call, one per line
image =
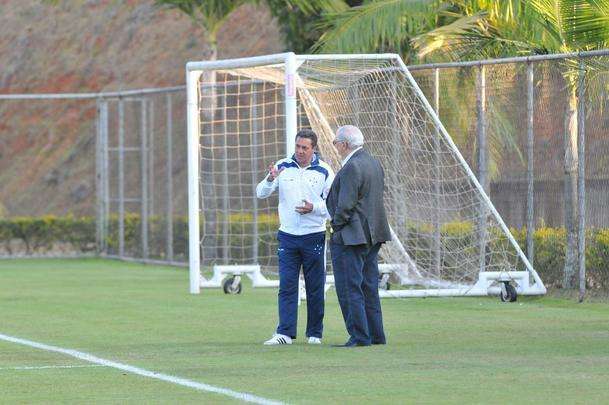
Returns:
point(341, 148)
point(304, 151)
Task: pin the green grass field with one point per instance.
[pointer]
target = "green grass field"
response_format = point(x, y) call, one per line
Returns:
point(440, 350)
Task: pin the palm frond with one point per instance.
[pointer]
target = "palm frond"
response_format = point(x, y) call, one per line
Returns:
point(469, 37)
point(209, 14)
point(589, 24)
point(313, 6)
point(374, 25)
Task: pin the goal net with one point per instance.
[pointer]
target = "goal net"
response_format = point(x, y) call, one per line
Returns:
point(243, 114)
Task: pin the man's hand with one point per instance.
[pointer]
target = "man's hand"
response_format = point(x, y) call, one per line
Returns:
point(305, 208)
point(273, 173)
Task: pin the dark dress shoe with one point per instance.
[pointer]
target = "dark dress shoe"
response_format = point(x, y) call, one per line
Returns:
point(352, 343)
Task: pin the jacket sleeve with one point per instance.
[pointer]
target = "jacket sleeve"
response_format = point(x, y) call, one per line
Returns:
point(266, 188)
point(319, 206)
point(347, 196)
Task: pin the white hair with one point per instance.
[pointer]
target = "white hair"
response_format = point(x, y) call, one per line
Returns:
point(351, 135)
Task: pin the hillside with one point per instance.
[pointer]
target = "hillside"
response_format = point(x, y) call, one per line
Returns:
point(46, 148)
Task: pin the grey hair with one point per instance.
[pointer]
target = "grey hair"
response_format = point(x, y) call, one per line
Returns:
point(351, 135)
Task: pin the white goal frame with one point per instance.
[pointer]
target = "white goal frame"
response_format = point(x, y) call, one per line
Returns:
point(489, 283)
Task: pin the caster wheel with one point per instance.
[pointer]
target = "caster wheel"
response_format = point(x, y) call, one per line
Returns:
point(384, 283)
point(508, 294)
point(229, 287)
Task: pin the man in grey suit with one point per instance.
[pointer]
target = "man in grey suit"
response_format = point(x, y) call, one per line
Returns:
point(359, 227)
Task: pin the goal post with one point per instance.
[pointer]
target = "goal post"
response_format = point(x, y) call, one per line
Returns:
point(448, 238)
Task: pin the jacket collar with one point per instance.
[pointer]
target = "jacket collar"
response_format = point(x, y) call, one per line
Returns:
point(351, 155)
point(314, 162)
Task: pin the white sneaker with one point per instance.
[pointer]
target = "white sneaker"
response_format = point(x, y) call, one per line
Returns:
point(314, 340)
point(279, 339)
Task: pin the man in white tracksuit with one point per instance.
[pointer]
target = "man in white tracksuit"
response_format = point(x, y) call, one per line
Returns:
point(303, 182)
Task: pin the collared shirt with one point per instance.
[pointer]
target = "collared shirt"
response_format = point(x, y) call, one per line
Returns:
point(345, 160)
point(295, 183)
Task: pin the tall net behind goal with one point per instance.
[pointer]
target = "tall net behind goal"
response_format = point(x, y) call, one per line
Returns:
point(448, 238)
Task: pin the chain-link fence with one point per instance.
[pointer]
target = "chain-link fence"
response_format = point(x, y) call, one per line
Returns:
point(106, 173)
point(535, 132)
point(94, 174)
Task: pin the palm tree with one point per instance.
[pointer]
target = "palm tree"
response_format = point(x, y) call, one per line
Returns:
point(474, 29)
point(377, 26)
point(212, 14)
point(391, 26)
point(486, 28)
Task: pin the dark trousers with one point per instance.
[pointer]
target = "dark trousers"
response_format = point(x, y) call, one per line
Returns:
point(356, 278)
point(307, 251)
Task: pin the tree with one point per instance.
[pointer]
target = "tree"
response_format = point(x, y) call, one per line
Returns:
point(377, 26)
point(497, 28)
point(475, 29)
point(211, 15)
point(300, 28)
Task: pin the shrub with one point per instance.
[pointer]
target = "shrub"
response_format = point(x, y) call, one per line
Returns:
point(40, 234)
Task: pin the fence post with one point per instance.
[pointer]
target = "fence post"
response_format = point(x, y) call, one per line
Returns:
point(99, 221)
point(169, 127)
point(530, 161)
point(105, 176)
point(150, 156)
point(144, 170)
point(482, 160)
point(121, 178)
point(581, 178)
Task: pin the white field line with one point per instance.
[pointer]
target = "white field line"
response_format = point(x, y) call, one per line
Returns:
point(142, 372)
point(48, 367)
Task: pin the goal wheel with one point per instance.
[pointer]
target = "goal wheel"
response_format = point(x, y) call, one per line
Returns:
point(231, 287)
point(508, 293)
point(384, 282)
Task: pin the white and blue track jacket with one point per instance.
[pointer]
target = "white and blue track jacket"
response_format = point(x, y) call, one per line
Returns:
point(295, 183)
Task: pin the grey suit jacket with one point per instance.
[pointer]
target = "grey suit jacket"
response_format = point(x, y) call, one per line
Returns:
point(355, 202)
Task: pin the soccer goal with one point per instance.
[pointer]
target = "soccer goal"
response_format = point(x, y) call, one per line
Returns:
point(243, 114)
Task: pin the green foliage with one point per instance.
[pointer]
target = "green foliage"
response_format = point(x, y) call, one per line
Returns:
point(208, 14)
point(476, 29)
point(597, 259)
point(468, 29)
point(376, 26)
point(297, 18)
point(39, 235)
point(549, 243)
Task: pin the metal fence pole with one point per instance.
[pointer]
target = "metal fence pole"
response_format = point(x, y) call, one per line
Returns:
point(169, 126)
point(121, 178)
point(530, 162)
point(581, 178)
point(144, 174)
point(437, 246)
point(482, 159)
point(150, 155)
point(570, 182)
point(105, 175)
point(99, 180)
